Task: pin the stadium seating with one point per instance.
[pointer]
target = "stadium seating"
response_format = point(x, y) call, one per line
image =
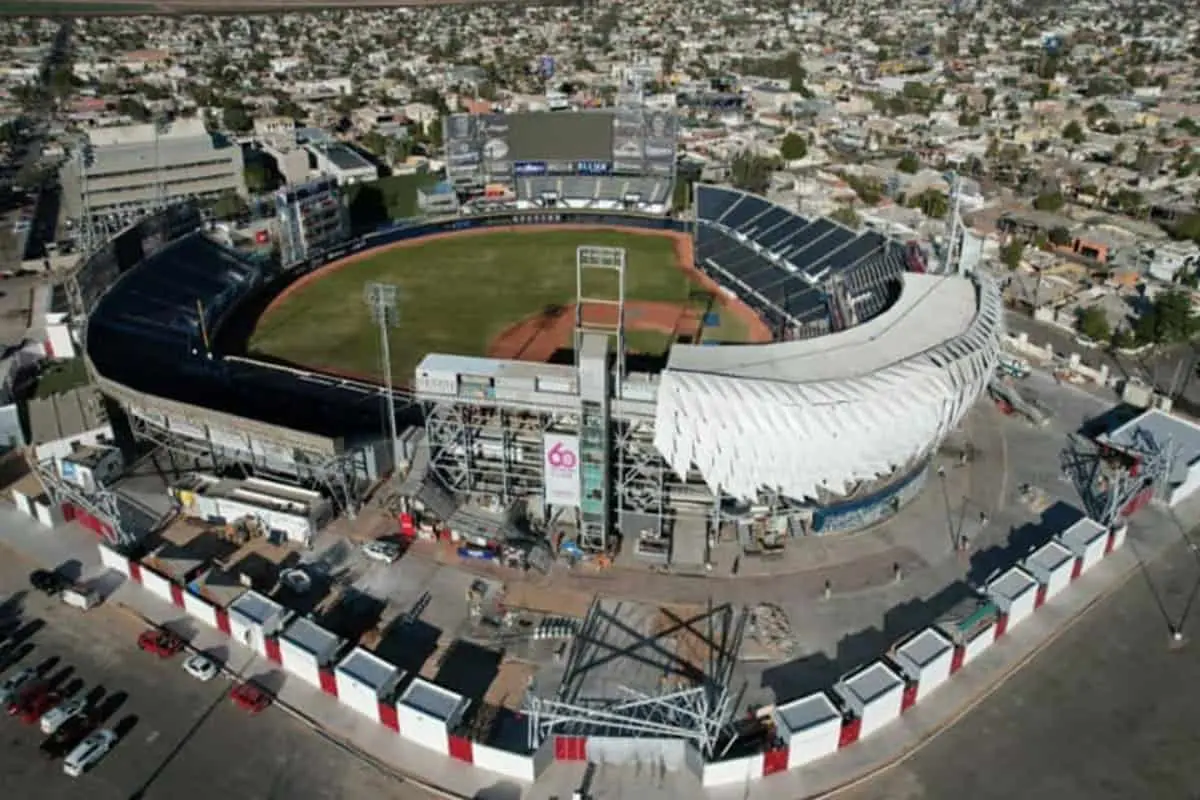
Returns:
point(789, 263)
point(577, 191)
point(163, 301)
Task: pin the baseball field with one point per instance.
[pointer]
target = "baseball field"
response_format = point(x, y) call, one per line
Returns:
point(506, 293)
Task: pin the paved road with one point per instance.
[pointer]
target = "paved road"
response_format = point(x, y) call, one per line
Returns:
point(185, 739)
point(1108, 712)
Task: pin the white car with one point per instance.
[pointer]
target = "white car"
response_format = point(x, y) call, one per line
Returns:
point(58, 716)
point(386, 552)
point(89, 752)
point(201, 667)
point(13, 683)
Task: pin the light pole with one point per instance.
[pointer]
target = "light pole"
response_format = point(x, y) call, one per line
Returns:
point(381, 302)
point(161, 125)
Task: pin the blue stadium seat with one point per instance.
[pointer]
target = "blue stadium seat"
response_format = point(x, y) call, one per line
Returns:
point(714, 201)
point(742, 212)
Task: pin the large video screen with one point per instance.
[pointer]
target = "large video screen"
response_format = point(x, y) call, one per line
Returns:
point(560, 136)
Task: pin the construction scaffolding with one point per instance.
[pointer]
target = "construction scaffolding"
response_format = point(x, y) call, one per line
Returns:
point(339, 475)
point(100, 503)
point(669, 677)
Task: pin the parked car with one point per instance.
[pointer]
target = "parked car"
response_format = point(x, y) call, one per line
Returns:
point(249, 697)
point(163, 644)
point(62, 713)
point(89, 752)
point(385, 552)
point(47, 582)
point(11, 686)
point(37, 705)
point(68, 737)
point(28, 693)
point(201, 667)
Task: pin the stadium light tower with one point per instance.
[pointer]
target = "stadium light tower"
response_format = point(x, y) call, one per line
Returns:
point(381, 301)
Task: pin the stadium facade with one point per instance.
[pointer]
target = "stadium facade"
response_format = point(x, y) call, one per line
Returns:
point(827, 429)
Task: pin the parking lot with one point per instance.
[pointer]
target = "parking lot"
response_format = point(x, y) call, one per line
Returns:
point(180, 738)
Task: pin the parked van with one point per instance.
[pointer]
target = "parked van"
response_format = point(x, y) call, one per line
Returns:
point(83, 599)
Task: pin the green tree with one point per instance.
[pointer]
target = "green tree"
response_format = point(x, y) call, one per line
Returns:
point(228, 205)
point(909, 163)
point(258, 178)
point(933, 203)
point(235, 118)
point(1012, 252)
point(846, 216)
point(751, 172)
point(1123, 339)
point(794, 147)
point(1048, 201)
point(1188, 228)
point(1060, 236)
point(1073, 132)
point(1169, 319)
point(1093, 323)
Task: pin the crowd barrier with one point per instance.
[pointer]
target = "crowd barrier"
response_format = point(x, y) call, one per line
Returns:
point(806, 729)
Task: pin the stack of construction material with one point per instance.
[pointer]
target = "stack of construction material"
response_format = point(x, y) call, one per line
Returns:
point(769, 626)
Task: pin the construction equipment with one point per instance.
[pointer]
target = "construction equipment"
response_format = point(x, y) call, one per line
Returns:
point(243, 530)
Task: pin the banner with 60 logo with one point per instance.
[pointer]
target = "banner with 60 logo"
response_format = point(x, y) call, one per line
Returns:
point(560, 464)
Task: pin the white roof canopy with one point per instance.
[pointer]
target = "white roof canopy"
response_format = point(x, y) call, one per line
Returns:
point(799, 417)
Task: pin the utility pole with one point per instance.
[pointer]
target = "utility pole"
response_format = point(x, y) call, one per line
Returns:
point(381, 299)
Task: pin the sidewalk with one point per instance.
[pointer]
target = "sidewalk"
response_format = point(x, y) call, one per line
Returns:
point(437, 774)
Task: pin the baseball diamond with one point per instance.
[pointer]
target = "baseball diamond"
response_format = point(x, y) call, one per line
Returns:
point(506, 294)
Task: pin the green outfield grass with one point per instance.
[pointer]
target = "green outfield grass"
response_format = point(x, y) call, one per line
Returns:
point(458, 294)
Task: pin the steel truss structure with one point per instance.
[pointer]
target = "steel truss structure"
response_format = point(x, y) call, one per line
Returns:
point(701, 713)
point(101, 503)
point(606, 262)
point(491, 453)
point(1108, 488)
point(337, 476)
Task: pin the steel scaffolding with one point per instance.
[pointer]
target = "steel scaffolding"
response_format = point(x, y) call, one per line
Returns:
point(592, 263)
point(701, 713)
point(491, 453)
point(100, 502)
point(1106, 487)
point(339, 476)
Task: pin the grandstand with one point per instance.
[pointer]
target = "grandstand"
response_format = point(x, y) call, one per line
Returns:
point(650, 195)
point(809, 276)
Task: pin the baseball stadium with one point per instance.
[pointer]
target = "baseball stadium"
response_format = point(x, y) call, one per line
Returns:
point(562, 344)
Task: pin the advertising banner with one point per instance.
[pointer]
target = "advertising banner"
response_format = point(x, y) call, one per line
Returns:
point(593, 167)
point(461, 152)
point(560, 464)
point(661, 136)
point(492, 136)
point(627, 166)
point(524, 169)
point(628, 135)
point(460, 127)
